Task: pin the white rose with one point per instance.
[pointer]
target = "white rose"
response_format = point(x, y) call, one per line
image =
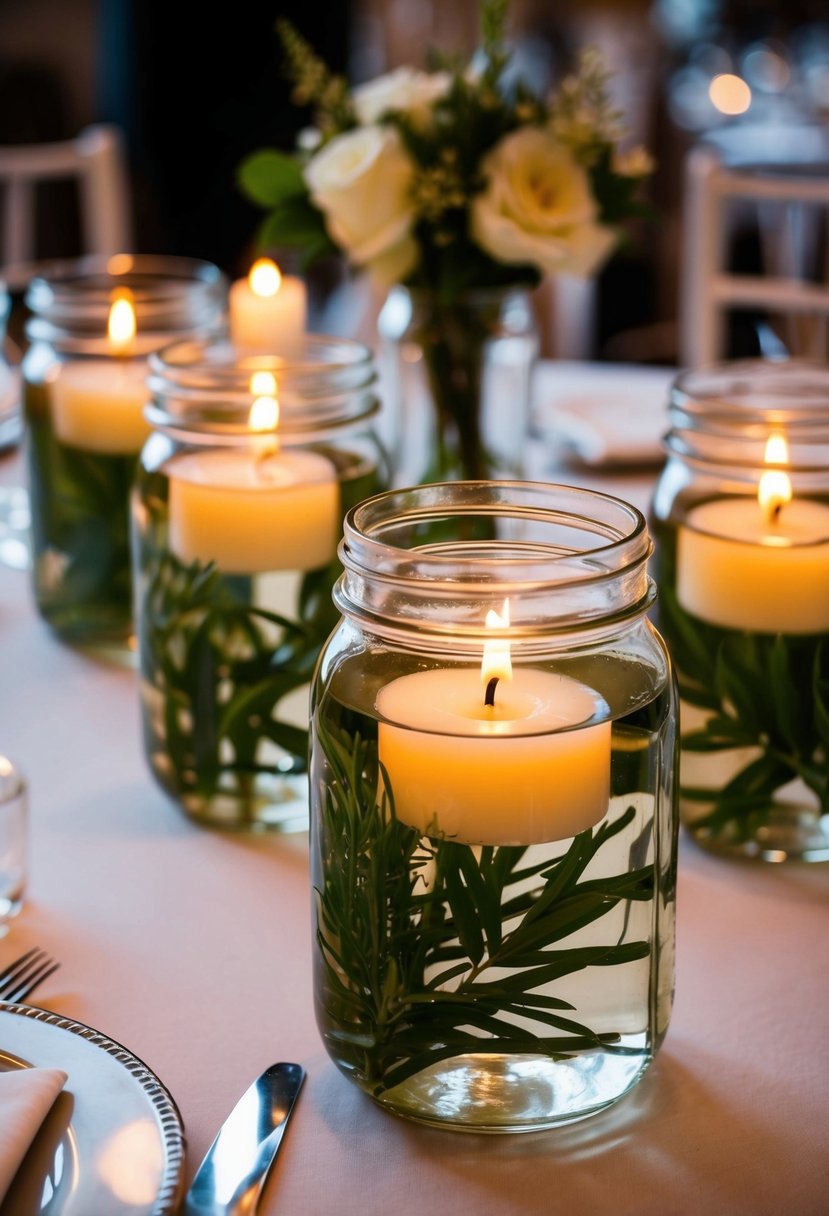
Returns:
point(538, 208)
point(404, 90)
point(361, 181)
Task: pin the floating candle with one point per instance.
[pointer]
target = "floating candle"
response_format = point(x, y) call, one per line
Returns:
point(268, 310)
point(255, 508)
point(98, 404)
point(532, 766)
point(759, 564)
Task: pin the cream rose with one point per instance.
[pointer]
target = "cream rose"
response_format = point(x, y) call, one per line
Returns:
point(361, 181)
point(538, 208)
point(404, 90)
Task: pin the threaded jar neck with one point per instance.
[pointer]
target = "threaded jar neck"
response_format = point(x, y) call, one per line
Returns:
point(722, 416)
point(435, 559)
point(205, 390)
point(172, 297)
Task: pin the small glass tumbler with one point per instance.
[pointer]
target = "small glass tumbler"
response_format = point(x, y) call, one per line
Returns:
point(13, 841)
point(93, 323)
point(493, 823)
point(237, 511)
point(741, 518)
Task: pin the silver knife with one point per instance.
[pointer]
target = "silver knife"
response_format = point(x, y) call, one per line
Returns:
point(230, 1179)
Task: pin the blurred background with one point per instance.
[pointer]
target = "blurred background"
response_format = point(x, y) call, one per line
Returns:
point(194, 93)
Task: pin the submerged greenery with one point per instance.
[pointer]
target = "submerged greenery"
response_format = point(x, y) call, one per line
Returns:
point(433, 949)
point(212, 660)
point(768, 692)
point(80, 534)
point(217, 667)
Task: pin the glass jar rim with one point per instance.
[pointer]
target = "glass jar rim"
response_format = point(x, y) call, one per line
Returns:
point(170, 294)
point(207, 386)
point(722, 415)
point(554, 581)
point(784, 392)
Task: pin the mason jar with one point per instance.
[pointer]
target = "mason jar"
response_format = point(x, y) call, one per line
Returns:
point(493, 822)
point(741, 518)
point(93, 322)
point(237, 511)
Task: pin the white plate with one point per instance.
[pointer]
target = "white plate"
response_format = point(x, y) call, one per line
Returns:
point(113, 1142)
point(602, 413)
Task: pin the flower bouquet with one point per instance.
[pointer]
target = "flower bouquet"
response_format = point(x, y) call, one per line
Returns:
point(458, 183)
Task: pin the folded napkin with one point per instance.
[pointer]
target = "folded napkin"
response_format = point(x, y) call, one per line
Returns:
point(26, 1097)
point(603, 413)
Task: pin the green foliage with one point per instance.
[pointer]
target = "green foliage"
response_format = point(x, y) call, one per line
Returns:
point(219, 667)
point(427, 947)
point(270, 177)
point(80, 531)
point(314, 84)
point(768, 692)
point(447, 140)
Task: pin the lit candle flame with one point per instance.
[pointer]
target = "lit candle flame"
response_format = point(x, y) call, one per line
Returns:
point(121, 322)
point(265, 278)
point(775, 488)
point(496, 663)
point(264, 413)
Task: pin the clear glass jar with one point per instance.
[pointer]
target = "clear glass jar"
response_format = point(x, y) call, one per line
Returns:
point(84, 394)
point(236, 520)
point(10, 418)
point(744, 604)
point(494, 865)
point(456, 382)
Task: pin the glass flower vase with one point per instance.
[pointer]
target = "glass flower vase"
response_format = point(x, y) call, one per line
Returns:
point(455, 377)
point(493, 823)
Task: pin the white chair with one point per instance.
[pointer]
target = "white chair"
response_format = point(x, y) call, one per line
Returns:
point(95, 160)
point(790, 206)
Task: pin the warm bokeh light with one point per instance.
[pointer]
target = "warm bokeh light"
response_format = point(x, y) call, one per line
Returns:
point(729, 93)
point(120, 263)
point(264, 413)
point(496, 663)
point(265, 278)
point(121, 321)
point(263, 384)
point(775, 488)
point(130, 1163)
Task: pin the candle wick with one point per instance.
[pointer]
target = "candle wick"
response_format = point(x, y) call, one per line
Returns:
point(260, 461)
point(775, 512)
point(489, 696)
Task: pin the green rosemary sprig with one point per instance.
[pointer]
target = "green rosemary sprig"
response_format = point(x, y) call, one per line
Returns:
point(768, 692)
point(430, 950)
point(219, 666)
point(80, 525)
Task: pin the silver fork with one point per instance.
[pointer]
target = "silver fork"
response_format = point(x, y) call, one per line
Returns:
point(23, 975)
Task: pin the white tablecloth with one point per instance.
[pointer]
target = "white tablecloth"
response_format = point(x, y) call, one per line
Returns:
point(193, 949)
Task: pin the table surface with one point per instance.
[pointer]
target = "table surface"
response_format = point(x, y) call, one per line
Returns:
point(193, 949)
